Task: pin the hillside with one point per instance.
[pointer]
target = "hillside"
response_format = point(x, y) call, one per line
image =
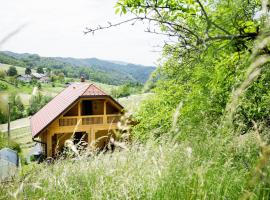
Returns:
point(109, 72)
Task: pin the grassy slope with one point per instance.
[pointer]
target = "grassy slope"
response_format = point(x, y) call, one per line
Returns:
point(194, 169)
point(202, 167)
point(21, 70)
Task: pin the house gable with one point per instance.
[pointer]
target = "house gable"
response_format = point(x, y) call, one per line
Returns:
point(64, 102)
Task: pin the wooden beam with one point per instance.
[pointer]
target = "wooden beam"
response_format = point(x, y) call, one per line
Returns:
point(79, 108)
point(105, 112)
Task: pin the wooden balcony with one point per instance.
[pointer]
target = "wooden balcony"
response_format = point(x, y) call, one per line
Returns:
point(89, 120)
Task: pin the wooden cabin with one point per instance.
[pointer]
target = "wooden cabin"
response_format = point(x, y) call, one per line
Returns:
point(81, 107)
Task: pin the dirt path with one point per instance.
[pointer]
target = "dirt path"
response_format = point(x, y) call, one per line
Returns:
point(19, 123)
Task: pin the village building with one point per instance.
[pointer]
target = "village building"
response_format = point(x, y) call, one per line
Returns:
point(44, 79)
point(38, 75)
point(26, 78)
point(82, 108)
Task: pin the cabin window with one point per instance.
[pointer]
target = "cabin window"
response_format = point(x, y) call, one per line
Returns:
point(92, 107)
point(87, 107)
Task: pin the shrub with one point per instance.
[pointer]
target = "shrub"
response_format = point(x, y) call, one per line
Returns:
point(28, 71)
point(16, 107)
point(3, 86)
point(12, 71)
point(37, 102)
point(12, 144)
point(126, 90)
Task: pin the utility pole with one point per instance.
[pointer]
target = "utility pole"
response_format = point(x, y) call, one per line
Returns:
point(9, 123)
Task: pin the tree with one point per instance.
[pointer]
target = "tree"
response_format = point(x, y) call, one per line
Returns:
point(17, 107)
point(28, 71)
point(37, 102)
point(205, 58)
point(12, 71)
point(40, 70)
point(61, 77)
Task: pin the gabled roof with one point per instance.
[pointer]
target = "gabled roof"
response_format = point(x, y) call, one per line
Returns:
point(61, 102)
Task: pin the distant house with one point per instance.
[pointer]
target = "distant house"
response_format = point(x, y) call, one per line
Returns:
point(9, 163)
point(44, 79)
point(37, 75)
point(82, 108)
point(24, 78)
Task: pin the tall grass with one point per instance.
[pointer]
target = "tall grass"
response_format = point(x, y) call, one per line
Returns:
point(194, 169)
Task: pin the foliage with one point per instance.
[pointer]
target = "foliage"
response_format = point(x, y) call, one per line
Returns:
point(16, 107)
point(12, 71)
point(96, 70)
point(37, 102)
point(3, 86)
point(218, 168)
point(3, 117)
point(40, 70)
point(28, 71)
point(206, 61)
point(126, 90)
point(12, 144)
point(6, 59)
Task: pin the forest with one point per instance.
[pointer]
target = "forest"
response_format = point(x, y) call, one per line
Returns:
point(204, 131)
point(93, 69)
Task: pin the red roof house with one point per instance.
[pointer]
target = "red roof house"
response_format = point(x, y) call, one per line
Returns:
point(82, 110)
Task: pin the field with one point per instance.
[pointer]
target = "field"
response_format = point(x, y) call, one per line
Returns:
point(20, 70)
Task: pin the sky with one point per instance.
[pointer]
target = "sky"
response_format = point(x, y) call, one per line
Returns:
point(55, 28)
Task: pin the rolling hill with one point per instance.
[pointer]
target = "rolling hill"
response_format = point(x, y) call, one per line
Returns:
point(109, 72)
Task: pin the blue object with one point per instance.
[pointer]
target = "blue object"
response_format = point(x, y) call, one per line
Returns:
point(10, 156)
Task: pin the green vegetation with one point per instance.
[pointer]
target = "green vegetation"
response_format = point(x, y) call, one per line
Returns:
point(28, 71)
point(203, 134)
point(11, 144)
point(92, 69)
point(37, 102)
point(12, 71)
point(126, 90)
point(40, 70)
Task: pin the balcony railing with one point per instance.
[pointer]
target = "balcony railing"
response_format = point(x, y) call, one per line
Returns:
point(89, 120)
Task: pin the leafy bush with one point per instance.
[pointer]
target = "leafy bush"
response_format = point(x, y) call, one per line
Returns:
point(12, 144)
point(3, 86)
point(37, 102)
point(17, 109)
point(126, 90)
point(28, 71)
point(12, 71)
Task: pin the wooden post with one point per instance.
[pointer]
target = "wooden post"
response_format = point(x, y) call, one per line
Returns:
point(49, 144)
point(92, 135)
point(9, 107)
point(79, 108)
point(105, 112)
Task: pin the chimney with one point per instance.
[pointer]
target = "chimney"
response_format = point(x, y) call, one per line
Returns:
point(82, 79)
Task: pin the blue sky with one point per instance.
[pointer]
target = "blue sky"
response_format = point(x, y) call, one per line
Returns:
point(55, 28)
